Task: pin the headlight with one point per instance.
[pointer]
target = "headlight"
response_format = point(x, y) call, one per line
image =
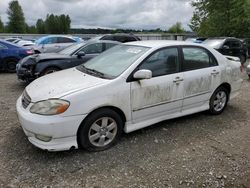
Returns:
point(50, 107)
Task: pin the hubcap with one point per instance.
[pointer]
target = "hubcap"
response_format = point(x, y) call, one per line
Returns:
point(220, 101)
point(12, 65)
point(102, 132)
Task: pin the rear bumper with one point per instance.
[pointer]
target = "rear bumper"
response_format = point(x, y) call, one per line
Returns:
point(236, 90)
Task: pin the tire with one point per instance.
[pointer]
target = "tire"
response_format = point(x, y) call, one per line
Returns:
point(50, 70)
point(11, 65)
point(94, 132)
point(242, 59)
point(218, 101)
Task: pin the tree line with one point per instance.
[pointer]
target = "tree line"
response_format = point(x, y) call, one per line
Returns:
point(53, 24)
point(221, 18)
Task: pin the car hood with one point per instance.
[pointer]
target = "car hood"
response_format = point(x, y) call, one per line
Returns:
point(61, 83)
point(39, 58)
point(50, 56)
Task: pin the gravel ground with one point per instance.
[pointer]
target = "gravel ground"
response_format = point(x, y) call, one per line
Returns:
point(193, 151)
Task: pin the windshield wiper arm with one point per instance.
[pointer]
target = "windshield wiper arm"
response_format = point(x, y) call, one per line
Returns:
point(93, 71)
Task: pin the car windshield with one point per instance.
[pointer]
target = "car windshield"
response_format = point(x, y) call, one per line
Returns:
point(214, 43)
point(114, 61)
point(71, 49)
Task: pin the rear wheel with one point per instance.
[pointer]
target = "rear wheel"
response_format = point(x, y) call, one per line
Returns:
point(218, 101)
point(100, 131)
point(11, 65)
point(50, 70)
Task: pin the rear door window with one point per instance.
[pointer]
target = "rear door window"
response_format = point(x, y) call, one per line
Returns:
point(196, 58)
point(65, 40)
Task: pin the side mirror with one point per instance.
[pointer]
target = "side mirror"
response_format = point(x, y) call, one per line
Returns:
point(142, 74)
point(80, 54)
point(226, 47)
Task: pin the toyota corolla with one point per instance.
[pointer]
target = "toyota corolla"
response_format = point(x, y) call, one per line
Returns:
point(128, 87)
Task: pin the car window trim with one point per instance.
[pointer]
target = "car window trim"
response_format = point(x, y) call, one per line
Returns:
point(130, 77)
point(211, 56)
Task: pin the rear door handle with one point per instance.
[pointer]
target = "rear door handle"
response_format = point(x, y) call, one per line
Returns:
point(215, 72)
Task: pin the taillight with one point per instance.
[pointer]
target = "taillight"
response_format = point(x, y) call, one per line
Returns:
point(29, 52)
point(241, 68)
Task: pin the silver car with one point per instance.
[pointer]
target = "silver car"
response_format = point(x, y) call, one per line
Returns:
point(54, 43)
point(248, 70)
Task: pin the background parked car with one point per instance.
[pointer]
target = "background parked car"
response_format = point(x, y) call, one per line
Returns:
point(196, 40)
point(248, 70)
point(54, 43)
point(120, 37)
point(246, 43)
point(228, 46)
point(12, 39)
point(10, 54)
point(41, 64)
point(25, 43)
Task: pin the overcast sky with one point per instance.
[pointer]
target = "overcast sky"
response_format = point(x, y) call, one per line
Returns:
point(135, 14)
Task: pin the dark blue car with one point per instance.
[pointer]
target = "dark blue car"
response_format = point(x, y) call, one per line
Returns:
point(10, 54)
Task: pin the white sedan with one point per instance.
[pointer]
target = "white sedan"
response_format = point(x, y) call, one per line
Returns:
point(128, 87)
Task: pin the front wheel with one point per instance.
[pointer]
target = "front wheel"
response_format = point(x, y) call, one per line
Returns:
point(101, 130)
point(218, 101)
point(11, 65)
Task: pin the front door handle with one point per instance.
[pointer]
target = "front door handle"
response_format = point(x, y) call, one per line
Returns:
point(177, 80)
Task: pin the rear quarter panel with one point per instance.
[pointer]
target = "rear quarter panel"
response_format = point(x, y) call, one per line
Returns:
point(230, 71)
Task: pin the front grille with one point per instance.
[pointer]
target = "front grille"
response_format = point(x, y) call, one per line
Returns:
point(25, 99)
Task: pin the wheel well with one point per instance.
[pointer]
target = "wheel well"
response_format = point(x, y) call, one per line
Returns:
point(37, 51)
point(49, 67)
point(227, 86)
point(117, 110)
point(10, 58)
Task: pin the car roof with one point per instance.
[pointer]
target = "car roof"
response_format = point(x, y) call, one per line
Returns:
point(4, 42)
point(222, 38)
point(50, 36)
point(97, 40)
point(160, 43)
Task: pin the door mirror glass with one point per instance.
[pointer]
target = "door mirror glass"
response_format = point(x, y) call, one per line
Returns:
point(80, 54)
point(143, 74)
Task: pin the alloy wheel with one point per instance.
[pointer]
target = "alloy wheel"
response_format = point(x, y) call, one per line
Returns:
point(102, 132)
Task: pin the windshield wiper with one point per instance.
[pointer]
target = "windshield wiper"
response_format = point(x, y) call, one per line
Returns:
point(93, 72)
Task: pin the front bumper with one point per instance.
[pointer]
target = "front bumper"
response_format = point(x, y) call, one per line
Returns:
point(24, 74)
point(62, 130)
